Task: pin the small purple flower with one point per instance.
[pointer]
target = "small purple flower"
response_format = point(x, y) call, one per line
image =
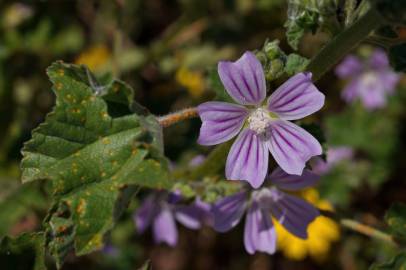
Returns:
point(334, 156)
point(265, 127)
point(370, 80)
point(291, 212)
point(160, 210)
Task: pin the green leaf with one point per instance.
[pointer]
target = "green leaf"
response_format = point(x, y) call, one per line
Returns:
point(295, 64)
point(217, 86)
point(397, 56)
point(24, 252)
point(308, 16)
point(395, 217)
point(397, 263)
point(94, 150)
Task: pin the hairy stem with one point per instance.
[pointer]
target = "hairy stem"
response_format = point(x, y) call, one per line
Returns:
point(173, 118)
point(341, 44)
point(359, 227)
point(367, 230)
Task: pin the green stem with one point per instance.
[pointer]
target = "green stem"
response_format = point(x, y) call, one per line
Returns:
point(367, 230)
point(343, 43)
point(359, 227)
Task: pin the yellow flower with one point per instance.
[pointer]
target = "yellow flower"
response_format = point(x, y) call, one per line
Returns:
point(95, 58)
point(322, 232)
point(193, 81)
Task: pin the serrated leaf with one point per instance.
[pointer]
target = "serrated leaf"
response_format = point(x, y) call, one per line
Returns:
point(27, 251)
point(397, 263)
point(295, 64)
point(92, 147)
point(395, 217)
point(308, 16)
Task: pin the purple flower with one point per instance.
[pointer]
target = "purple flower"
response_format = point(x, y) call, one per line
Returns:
point(291, 212)
point(334, 156)
point(160, 210)
point(370, 80)
point(265, 127)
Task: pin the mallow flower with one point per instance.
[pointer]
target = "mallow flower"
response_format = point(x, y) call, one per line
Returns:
point(161, 210)
point(293, 213)
point(262, 127)
point(370, 80)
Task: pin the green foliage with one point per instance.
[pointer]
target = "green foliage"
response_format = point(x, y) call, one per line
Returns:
point(395, 217)
point(397, 263)
point(366, 127)
point(93, 149)
point(295, 63)
point(17, 203)
point(276, 63)
point(397, 57)
point(337, 185)
point(308, 16)
point(29, 246)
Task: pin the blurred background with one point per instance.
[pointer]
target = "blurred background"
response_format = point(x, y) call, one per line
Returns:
point(164, 49)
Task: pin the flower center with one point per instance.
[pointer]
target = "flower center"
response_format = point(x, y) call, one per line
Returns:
point(265, 197)
point(259, 120)
point(369, 79)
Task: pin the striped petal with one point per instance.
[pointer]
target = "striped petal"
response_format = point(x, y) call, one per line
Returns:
point(221, 121)
point(298, 97)
point(145, 213)
point(291, 146)
point(228, 211)
point(293, 182)
point(164, 228)
point(194, 215)
point(248, 159)
point(244, 79)
point(259, 232)
point(292, 213)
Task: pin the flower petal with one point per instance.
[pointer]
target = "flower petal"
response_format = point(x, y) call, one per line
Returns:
point(378, 60)
point(145, 213)
point(298, 97)
point(259, 232)
point(351, 90)
point(293, 182)
point(291, 146)
point(192, 216)
point(248, 159)
point(228, 211)
point(350, 66)
point(164, 228)
point(389, 79)
point(292, 213)
point(244, 79)
point(221, 121)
